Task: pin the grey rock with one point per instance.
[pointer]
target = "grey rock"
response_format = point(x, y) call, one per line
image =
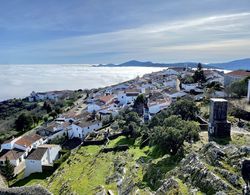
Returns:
point(167, 186)
point(32, 190)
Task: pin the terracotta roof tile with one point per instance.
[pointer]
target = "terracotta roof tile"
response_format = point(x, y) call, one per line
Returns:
point(239, 73)
point(28, 140)
point(11, 154)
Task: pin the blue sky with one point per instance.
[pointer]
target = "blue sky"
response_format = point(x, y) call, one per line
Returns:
point(114, 31)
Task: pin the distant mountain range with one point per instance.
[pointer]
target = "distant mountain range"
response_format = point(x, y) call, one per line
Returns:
point(243, 64)
point(233, 65)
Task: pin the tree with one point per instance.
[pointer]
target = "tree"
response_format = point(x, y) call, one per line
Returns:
point(35, 119)
point(139, 104)
point(47, 106)
point(45, 119)
point(53, 114)
point(239, 88)
point(187, 109)
point(24, 122)
point(171, 135)
point(199, 75)
point(93, 114)
point(8, 170)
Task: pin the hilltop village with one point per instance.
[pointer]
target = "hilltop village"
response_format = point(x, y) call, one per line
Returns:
point(138, 110)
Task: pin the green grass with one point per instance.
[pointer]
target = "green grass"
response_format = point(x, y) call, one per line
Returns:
point(35, 178)
point(240, 139)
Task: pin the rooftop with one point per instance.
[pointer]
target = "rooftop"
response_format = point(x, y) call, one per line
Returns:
point(37, 154)
point(218, 100)
point(28, 140)
point(11, 154)
point(239, 73)
point(106, 98)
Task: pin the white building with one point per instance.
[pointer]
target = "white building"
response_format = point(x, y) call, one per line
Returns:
point(8, 145)
point(82, 128)
point(25, 143)
point(101, 101)
point(128, 96)
point(158, 105)
point(28, 142)
point(44, 155)
point(16, 158)
point(51, 95)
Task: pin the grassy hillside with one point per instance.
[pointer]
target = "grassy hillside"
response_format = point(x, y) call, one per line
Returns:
point(88, 171)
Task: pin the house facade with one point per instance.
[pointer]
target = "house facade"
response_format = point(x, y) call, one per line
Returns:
point(44, 155)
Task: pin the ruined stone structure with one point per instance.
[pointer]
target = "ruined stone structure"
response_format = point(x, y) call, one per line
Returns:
point(218, 127)
point(248, 92)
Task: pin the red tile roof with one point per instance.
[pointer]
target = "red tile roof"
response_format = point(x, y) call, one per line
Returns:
point(239, 73)
point(106, 98)
point(28, 140)
point(11, 154)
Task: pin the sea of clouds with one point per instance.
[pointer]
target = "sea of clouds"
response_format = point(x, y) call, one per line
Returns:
point(17, 81)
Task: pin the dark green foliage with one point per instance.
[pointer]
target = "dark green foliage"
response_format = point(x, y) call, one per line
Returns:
point(215, 85)
point(45, 118)
point(187, 80)
point(240, 113)
point(171, 135)
point(53, 114)
point(93, 114)
point(239, 88)
point(8, 170)
point(139, 104)
point(47, 106)
point(187, 109)
point(199, 74)
point(24, 122)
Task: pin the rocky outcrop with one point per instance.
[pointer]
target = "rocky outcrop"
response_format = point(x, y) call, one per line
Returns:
point(197, 173)
point(169, 185)
point(32, 190)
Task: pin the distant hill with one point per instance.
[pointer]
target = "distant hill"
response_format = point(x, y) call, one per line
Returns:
point(151, 64)
point(234, 65)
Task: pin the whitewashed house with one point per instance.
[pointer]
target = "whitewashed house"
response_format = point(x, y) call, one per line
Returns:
point(82, 128)
point(44, 155)
point(8, 144)
point(100, 102)
point(25, 143)
point(189, 87)
point(16, 158)
point(158, 105)
point(28, 142)
point(52, 95)
point(128, 96)
point(94, 106)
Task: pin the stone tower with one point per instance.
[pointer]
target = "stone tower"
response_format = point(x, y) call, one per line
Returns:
point(218, 127)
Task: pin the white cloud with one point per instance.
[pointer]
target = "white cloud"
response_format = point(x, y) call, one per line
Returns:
point(173, 40)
